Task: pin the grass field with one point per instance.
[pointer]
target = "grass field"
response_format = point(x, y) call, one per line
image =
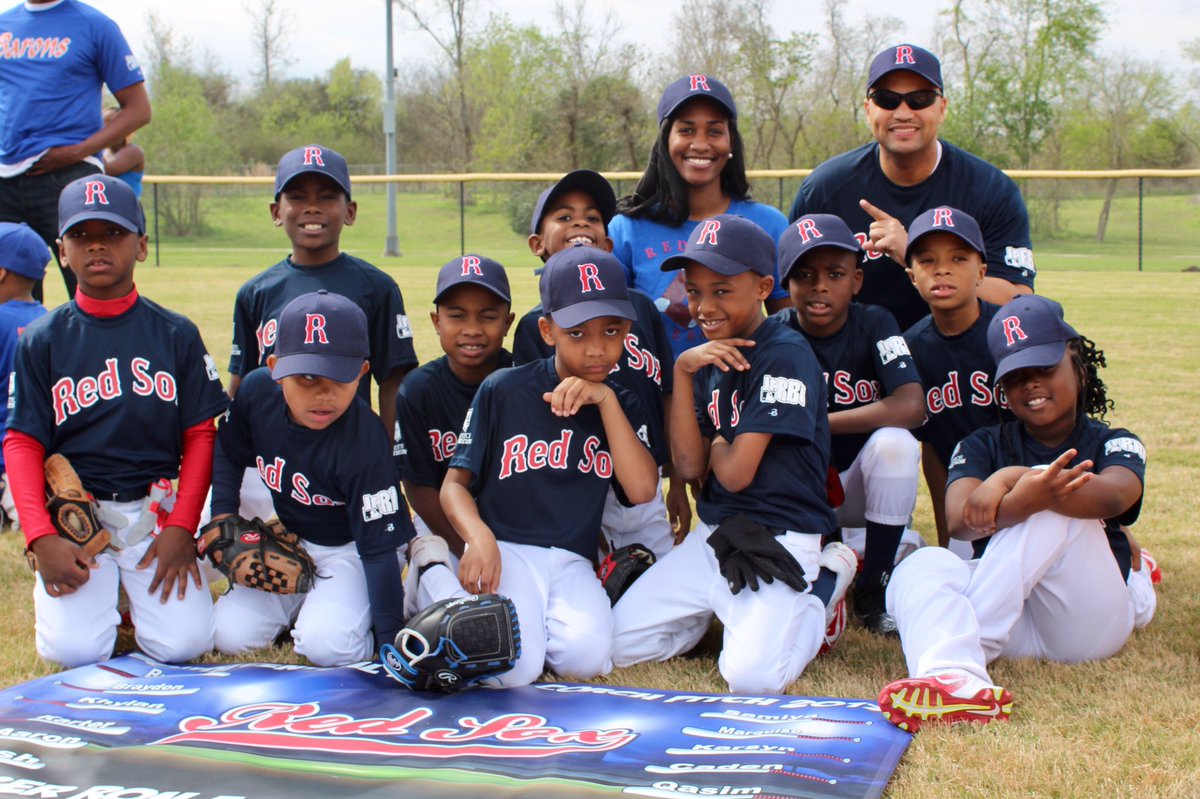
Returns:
point(1120, 728)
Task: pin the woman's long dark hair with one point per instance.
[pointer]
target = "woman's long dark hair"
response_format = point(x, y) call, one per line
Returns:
point(662, 195)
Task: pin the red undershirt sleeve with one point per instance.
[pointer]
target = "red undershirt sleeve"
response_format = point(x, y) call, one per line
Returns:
point(195, 475)
point(25, 462)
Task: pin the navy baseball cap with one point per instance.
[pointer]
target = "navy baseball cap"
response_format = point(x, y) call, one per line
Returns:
point(582, 283)
point(907, 57)
point(100, 197)
point(474, 269)
point(809, 232)
point(312, 158)
point(690, 87)
point(945, 219)
point(593, 184)
point(321, 334)
point(23, 251)
point(729, 245)
point(1028, 331)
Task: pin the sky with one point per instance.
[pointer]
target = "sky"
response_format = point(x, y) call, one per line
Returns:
point(322, 33)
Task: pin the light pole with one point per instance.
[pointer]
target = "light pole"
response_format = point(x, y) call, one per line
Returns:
point(391, 247)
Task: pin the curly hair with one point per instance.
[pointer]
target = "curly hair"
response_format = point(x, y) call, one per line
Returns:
point(1093, 394)
point(661, 193)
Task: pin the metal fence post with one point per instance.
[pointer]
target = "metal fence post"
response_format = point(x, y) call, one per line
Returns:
point(157, 262)
point(1141, 195)
point(462, 217)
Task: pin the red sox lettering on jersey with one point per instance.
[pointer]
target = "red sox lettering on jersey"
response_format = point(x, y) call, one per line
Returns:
point(949, 395)
point(697, 82)
point(266, 332)
point(641, 359)
point(443, 443)
point(714, 405)
point(1012, 330)
point(70, 396)
point(272, 474)
point(521, 455)
point(848, 391)
point(904, 54)
point(313, 156)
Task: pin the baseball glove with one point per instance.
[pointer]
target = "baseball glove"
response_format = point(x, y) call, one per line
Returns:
point(455, 643)
point(72, 511)
point(257, 555)
point(748, 552)
point(620, 568)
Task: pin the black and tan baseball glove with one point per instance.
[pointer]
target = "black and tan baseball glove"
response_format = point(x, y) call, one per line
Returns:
point(258, 555)
point(621, 567)
point(455, 643)
point(72, 510)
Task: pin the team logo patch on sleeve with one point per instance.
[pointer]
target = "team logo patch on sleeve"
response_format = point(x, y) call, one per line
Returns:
point(957, 458)
point(210, 368)
point(1020, 258)
point(464, 438)
point(783, 390)
point(892, 348)
point(403, 328)
point(1130, 446)
point(381, 503)
point(131, 62)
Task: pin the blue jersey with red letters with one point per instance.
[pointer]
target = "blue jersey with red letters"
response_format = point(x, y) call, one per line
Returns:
point(782, 393)
point(430, 408)
point(53, 63)
point(114, 394)
point(330, 486)
point(863, 362)
point(538, 478)
point(958, 374)
point(960, 180)
point(986, 451)
point(14, 316)
point(264, 296)
point(642, 244)
point(645, 369)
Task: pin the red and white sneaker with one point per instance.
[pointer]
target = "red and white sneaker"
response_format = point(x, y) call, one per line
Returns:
point(1150, 566)
point(946, 699)
point(841, 560)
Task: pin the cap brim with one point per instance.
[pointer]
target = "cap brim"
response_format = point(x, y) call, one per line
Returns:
point(784, 272)
point(473, 281)
point(917, 72)
point(912, 243)
point(713, 260)
point(1039, 356)
point(283, 184)
point(338, 368)
point(707, 96)
point(580, 312)
point(84, 216)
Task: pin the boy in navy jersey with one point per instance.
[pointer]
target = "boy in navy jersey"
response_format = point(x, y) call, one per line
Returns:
point(125, 390)
point(472, 316)
point(325, 457)
point(576, 211)
point(531, 470)
point(23, 257)
point(312, 204)
point(947, 263)
point(749, 417)
point(875, 396)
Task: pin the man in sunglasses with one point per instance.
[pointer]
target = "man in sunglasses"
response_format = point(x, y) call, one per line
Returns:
point(878, 189)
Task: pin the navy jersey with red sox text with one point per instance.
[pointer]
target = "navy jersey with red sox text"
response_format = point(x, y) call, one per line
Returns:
point(114, 394)
point(957, 372)
point(986, 451)
point(863, 362)
point(538, 478)
point(330, 487)
point(645, 368)
point(782, 393)
point(262, 298)
point(430, 408)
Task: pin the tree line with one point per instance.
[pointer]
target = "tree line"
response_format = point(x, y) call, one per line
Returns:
point(1027, 86)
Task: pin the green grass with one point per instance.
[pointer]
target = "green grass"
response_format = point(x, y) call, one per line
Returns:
point(1124, 727)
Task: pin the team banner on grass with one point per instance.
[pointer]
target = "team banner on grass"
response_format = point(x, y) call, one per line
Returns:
point(133, 728)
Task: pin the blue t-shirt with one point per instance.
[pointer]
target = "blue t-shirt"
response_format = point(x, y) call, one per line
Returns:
point(863, 362)
point(329, 486)
point(645, 369)
point(961, 180)
point(14, 316)
point(430, 407)
point(133, 180)
point(986, 451)
point(262, 298)
point(53, 64)
point(782, 393)
point(114, 394)
point(642, 244)
point(958, 377)
point(538, 478)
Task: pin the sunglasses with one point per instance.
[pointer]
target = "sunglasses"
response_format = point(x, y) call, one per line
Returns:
point(889, 100)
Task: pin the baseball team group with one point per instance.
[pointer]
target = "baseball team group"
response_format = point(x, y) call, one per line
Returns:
point(509, 511)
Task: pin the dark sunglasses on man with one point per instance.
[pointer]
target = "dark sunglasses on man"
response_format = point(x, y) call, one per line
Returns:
point(889, 100)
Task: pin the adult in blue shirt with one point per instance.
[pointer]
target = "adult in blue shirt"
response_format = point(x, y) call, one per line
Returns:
point(881, 187)
point(55, 55)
